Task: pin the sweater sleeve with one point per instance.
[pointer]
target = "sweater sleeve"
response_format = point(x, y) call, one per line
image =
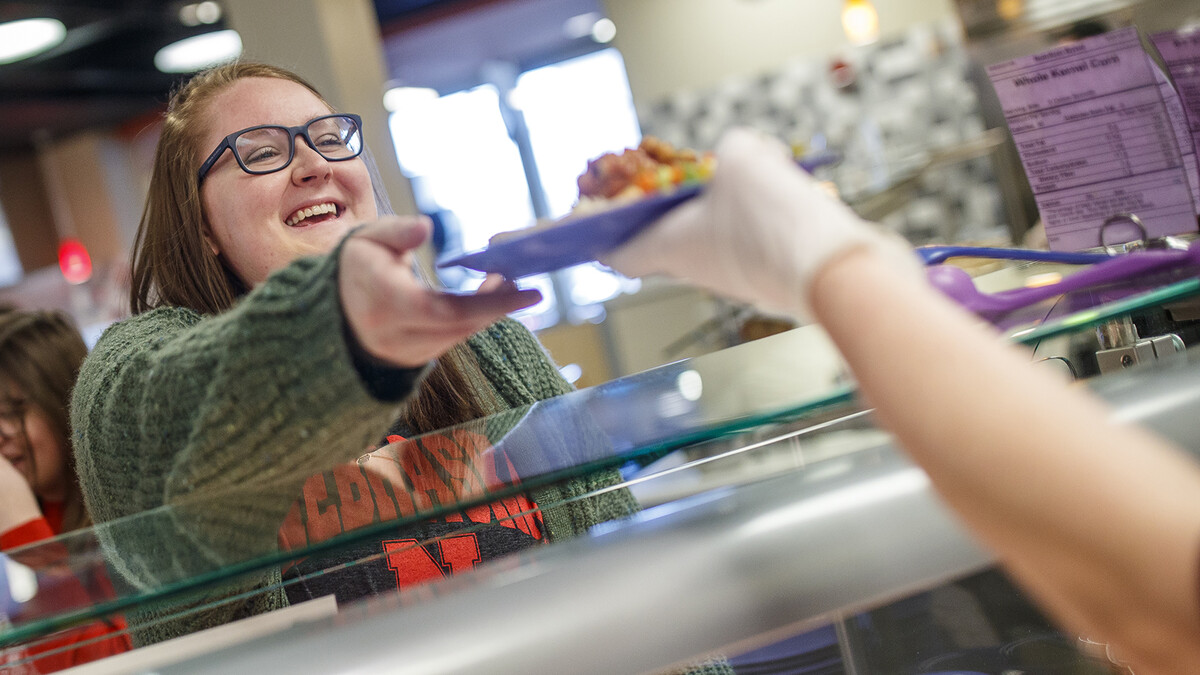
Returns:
point(220, 418)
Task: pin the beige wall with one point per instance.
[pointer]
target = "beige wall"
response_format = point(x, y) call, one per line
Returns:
point(88, 215)
point(680, 45)
point(27, 210)
point(64, 189)
point(582, 345)
point(1153, 16)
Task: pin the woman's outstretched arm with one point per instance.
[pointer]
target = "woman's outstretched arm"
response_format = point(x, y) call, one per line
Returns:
point(1099, 520)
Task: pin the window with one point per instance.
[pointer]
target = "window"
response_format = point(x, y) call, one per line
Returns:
point(463, 153)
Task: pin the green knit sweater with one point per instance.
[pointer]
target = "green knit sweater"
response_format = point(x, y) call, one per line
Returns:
point(220, 420)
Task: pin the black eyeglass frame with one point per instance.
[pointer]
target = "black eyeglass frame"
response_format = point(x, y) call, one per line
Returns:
point(301, 130)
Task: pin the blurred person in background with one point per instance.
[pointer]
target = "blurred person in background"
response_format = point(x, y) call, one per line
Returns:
point(40, 355)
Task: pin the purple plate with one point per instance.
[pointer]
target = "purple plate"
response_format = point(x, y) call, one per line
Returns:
point(574, 242)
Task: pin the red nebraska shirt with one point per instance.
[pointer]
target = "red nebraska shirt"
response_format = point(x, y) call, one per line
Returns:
point(403, 479)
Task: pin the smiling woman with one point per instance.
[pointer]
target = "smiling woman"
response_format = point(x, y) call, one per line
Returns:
point(280, 329)
point(40, 354)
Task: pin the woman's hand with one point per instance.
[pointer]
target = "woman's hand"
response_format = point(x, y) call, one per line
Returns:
point(760, 233)
point(393, 314)
point(18, 505)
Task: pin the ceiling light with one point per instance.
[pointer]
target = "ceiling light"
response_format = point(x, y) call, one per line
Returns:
point(24, 38)
point(199, 52)
point(604, 30)
point(860, 21)
point(1010, 10)
point(208, 12)
point(194, 14)
point(187, 16)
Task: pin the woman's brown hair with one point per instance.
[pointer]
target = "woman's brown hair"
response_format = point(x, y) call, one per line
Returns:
point(172, 265)
point(40, 355)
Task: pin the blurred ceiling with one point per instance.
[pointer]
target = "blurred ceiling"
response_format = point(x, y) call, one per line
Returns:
point(103, 74)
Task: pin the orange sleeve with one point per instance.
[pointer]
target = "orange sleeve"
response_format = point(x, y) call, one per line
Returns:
point(78, 646)
point(27, 533)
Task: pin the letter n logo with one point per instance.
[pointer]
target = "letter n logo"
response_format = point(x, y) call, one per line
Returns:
point(413, 563)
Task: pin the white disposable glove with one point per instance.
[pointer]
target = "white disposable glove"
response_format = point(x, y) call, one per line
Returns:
point(760, 232)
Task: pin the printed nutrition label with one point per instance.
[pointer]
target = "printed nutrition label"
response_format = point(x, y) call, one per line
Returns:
point(1183, 136)
point(1093, 133)
point(1181, 54)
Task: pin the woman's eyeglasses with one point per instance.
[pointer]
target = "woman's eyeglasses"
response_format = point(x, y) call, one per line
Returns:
point(270, 147)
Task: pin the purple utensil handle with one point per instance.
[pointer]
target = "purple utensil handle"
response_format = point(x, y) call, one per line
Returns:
point(934, 255)
point(958, 285)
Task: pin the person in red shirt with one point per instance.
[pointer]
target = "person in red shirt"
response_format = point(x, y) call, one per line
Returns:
point(40, 354)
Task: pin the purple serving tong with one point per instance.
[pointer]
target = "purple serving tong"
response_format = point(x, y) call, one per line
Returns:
point(959, 286)
point(933, 255)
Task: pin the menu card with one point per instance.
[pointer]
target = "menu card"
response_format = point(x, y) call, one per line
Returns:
point(1183, 136)
point(1181, 54)
point(1093, 133)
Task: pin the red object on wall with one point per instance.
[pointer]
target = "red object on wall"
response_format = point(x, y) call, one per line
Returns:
point(74, 261)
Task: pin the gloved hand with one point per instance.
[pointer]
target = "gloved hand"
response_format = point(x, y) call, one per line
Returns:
point(760, 232)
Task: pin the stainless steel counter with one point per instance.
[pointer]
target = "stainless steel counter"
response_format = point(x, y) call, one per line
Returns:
point(726, 570)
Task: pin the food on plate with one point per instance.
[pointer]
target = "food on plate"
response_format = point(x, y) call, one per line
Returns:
point(654, 167)
point(615, 179)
